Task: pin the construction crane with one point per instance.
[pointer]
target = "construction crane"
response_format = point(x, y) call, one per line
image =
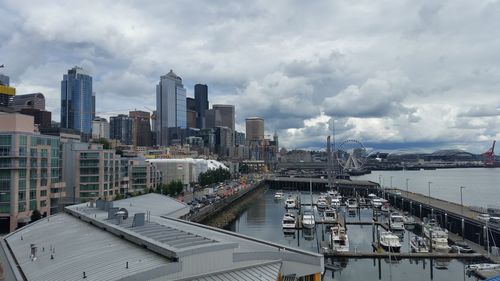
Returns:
point(489, 157)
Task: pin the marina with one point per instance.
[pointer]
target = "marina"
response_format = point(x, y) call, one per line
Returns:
point(361, 226)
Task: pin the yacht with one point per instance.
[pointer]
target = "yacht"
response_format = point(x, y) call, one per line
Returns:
point(396, 221)
point(377, 202)
point(308, 220)
point(335, 203)
point(339, 241)
point(362, 202)
point(330, 216)
point(482, 266)
point(390, 242)
point(439, 236)
point(352, 203)
point(289, 221)
point(291, 202)
point(322, 203)
point(418, 245)
point(278, 195)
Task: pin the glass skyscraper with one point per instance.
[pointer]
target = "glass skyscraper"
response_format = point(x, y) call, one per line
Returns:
point(170, 106)
point(76, 101)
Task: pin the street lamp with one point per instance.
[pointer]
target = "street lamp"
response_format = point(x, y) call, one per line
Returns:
point(407, 179)
point(461, 200)
point(429, 198)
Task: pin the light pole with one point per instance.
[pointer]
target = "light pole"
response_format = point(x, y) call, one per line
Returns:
point(429, 198)
point(461, 200)
point(407, 193)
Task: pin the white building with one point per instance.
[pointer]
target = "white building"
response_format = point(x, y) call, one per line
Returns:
point(100, 128)
point(186, 170)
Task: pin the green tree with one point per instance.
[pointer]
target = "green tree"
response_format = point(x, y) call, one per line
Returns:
point(35, 215)
point(105, 143)
point(118, 196)
point(213, 176)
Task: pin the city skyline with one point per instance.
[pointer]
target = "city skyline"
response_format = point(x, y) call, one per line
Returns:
point(430, 89)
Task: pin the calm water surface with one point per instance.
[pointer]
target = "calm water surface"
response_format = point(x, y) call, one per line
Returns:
point(482, 185)
point(263, 220)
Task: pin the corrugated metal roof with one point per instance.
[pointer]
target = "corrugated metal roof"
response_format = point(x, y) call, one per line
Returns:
point(256, 273)
point(77, 247)
point(496, 278)
point(157, 204)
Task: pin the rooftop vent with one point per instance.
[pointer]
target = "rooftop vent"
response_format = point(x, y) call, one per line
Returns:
point(138, 219)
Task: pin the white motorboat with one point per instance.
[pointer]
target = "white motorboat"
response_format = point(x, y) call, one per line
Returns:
point(482, 266)
point(278, 195)
point(329, 216)
point(418, 245)
point(308, 220)
point(396, 221)
point(339, 241)
point(291, 202)
point(377, 202)
point(439, 236)
point(352, 203)
point(390, 242)
point(335, 202)
point(333, 193)
point(372, 196)
point(362, 201)
point(289, 221)
point(322, 203)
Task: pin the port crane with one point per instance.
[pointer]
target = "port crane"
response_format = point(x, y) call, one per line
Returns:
point(489, 156)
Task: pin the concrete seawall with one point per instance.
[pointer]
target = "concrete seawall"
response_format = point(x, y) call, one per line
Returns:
point(222, 213)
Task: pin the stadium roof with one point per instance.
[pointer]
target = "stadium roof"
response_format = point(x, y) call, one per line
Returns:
point(144, 242)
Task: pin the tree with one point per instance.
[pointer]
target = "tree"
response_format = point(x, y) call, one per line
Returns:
point(213, 176)
point(105, 143)
point(118, 196)
point(35, 215)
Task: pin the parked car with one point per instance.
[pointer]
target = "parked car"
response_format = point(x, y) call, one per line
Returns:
point(483, 217)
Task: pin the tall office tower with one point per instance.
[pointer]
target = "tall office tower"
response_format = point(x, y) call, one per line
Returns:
point(76, 101)
point(191, 113)
point(31, 101)
point(226, 114)
point(201, 99)
point(170, 106)
point(254, 128)
point(100, 128)
point(212, 119)
point(120, 128)
point(141, 133)
point(6, 93)
point(93, 105)
point(239, 138)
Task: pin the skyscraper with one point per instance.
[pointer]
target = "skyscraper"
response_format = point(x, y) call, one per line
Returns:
point(191, 113)
point(120, 128)
point(254, 129)
point(170, 106)
point(201, 99)
point(32, 101)
point(141, 134)
point(227, 114)
point(76, 101)
point(93, 105)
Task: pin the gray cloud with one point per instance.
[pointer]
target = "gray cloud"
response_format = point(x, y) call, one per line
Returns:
point(400, 71)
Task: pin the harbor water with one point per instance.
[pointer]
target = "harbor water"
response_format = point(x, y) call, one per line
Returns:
point(482, 185)
point(264, 217)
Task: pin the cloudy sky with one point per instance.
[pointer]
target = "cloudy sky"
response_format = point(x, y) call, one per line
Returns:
point(396, 75)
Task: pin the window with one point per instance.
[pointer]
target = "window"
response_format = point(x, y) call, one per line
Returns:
point(5, 140)
point(43, 203)
point(43, 193)
point(22, 195)
point(22, 140)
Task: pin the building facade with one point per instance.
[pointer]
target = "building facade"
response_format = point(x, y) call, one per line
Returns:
point(30, 177)
point(91, 172)
point(29, 101)
point(201, 100)
point(170, 106)
point(100, 128)
point(143, 176)
point(7, 93)
point(227, 114)
point(120, 128)
point(76, 101)
point(254, 128)
point(141, 133)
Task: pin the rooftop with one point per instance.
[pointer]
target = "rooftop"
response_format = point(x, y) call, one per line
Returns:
point(141, 238)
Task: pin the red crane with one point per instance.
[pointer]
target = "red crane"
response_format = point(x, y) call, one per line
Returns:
point(489, 156)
